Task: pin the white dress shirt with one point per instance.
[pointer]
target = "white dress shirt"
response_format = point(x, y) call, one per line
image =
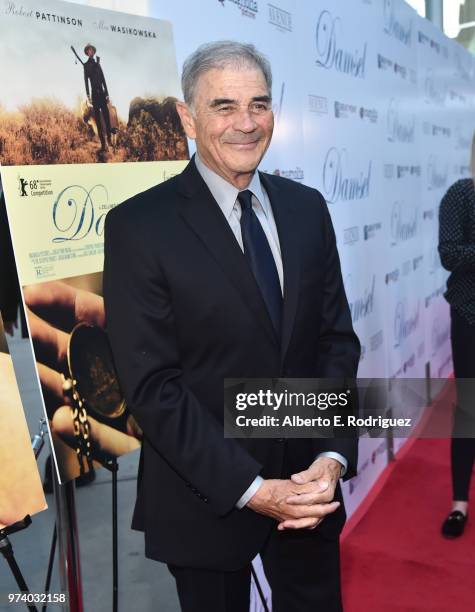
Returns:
point(226, 195)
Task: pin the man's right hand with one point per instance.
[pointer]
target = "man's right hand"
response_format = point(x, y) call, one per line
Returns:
point(270, 500)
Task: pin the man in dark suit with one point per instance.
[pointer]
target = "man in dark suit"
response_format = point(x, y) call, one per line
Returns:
point(225, 272)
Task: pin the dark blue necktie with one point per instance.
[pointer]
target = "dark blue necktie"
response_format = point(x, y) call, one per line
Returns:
point(261, 260)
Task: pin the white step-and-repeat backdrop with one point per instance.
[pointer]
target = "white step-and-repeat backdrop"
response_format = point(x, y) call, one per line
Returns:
point(374, 107)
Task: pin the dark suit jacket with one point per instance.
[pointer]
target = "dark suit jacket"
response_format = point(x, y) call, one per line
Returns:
point(183, 313)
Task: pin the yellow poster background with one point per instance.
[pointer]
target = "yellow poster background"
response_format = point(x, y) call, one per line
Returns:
point(56, 213)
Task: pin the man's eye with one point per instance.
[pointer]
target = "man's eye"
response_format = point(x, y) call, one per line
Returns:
point(259, 107)
point(225, 109)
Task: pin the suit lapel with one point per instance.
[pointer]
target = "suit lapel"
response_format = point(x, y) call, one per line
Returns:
point(202, 213)
point(285, 222)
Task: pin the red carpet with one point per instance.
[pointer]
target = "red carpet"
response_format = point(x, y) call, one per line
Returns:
point(394, 558)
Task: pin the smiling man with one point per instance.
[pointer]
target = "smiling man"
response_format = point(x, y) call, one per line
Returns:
point(226, 272)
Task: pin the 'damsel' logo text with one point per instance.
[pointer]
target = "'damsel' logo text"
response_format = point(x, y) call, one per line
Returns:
point(336, 182)
point(334, 57)
point(405, 323)
point(394, 26)
point(401, 125)
point(404, 222)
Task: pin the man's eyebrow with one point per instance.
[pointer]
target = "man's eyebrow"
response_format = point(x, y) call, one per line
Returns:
point(262, 99)
point(219, 101)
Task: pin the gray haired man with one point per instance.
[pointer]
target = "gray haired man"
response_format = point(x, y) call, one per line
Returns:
point(227, 272)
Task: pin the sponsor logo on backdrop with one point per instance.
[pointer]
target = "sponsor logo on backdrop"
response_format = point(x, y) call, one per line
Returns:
point(380, 450)
point(296, 174)
point(370, 230)
point(340, 183)
point(394, 26)
point(400, 124)
point(34, 187)
point(376, 340)
point(362, 305)
point(417, 262)
point(401, 171)
point(331, 54)
point(406, 267)
point(399, 70)
point(392, 276)
point(440, 335)
point(435, 91)
point(384, 63)
point(462, 170)
point(343, 110)
point(351, 235)
point(462, 138)
point(457, 97)
point(388, 171)
point(432, 44)
point(464, 64)
point(279, 18)
point(437, 174)
point(432, 129)
point(428, 215)
point(368, 113)
point(434, 295)
point(317, 104)
point(404, 171)
point(249, 8)
point(404, 222)
point(406, 322)
point(409, 363)
point(434, 261)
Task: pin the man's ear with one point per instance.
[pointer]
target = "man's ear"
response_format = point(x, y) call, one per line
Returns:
point(187, 119)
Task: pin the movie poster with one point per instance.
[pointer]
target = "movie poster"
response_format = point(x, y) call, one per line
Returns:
point(88, 120)
point(21, 492)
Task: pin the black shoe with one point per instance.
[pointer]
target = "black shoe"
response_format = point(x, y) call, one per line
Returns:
point(454, 524)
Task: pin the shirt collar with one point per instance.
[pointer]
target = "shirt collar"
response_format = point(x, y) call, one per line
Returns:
point(226, 194)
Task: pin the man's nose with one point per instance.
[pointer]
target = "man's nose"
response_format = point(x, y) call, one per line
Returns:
point(244, 121)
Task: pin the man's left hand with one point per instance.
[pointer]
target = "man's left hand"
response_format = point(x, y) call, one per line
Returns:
point(319, 483)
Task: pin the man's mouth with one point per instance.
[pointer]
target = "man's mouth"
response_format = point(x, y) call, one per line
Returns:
point(244, 145)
